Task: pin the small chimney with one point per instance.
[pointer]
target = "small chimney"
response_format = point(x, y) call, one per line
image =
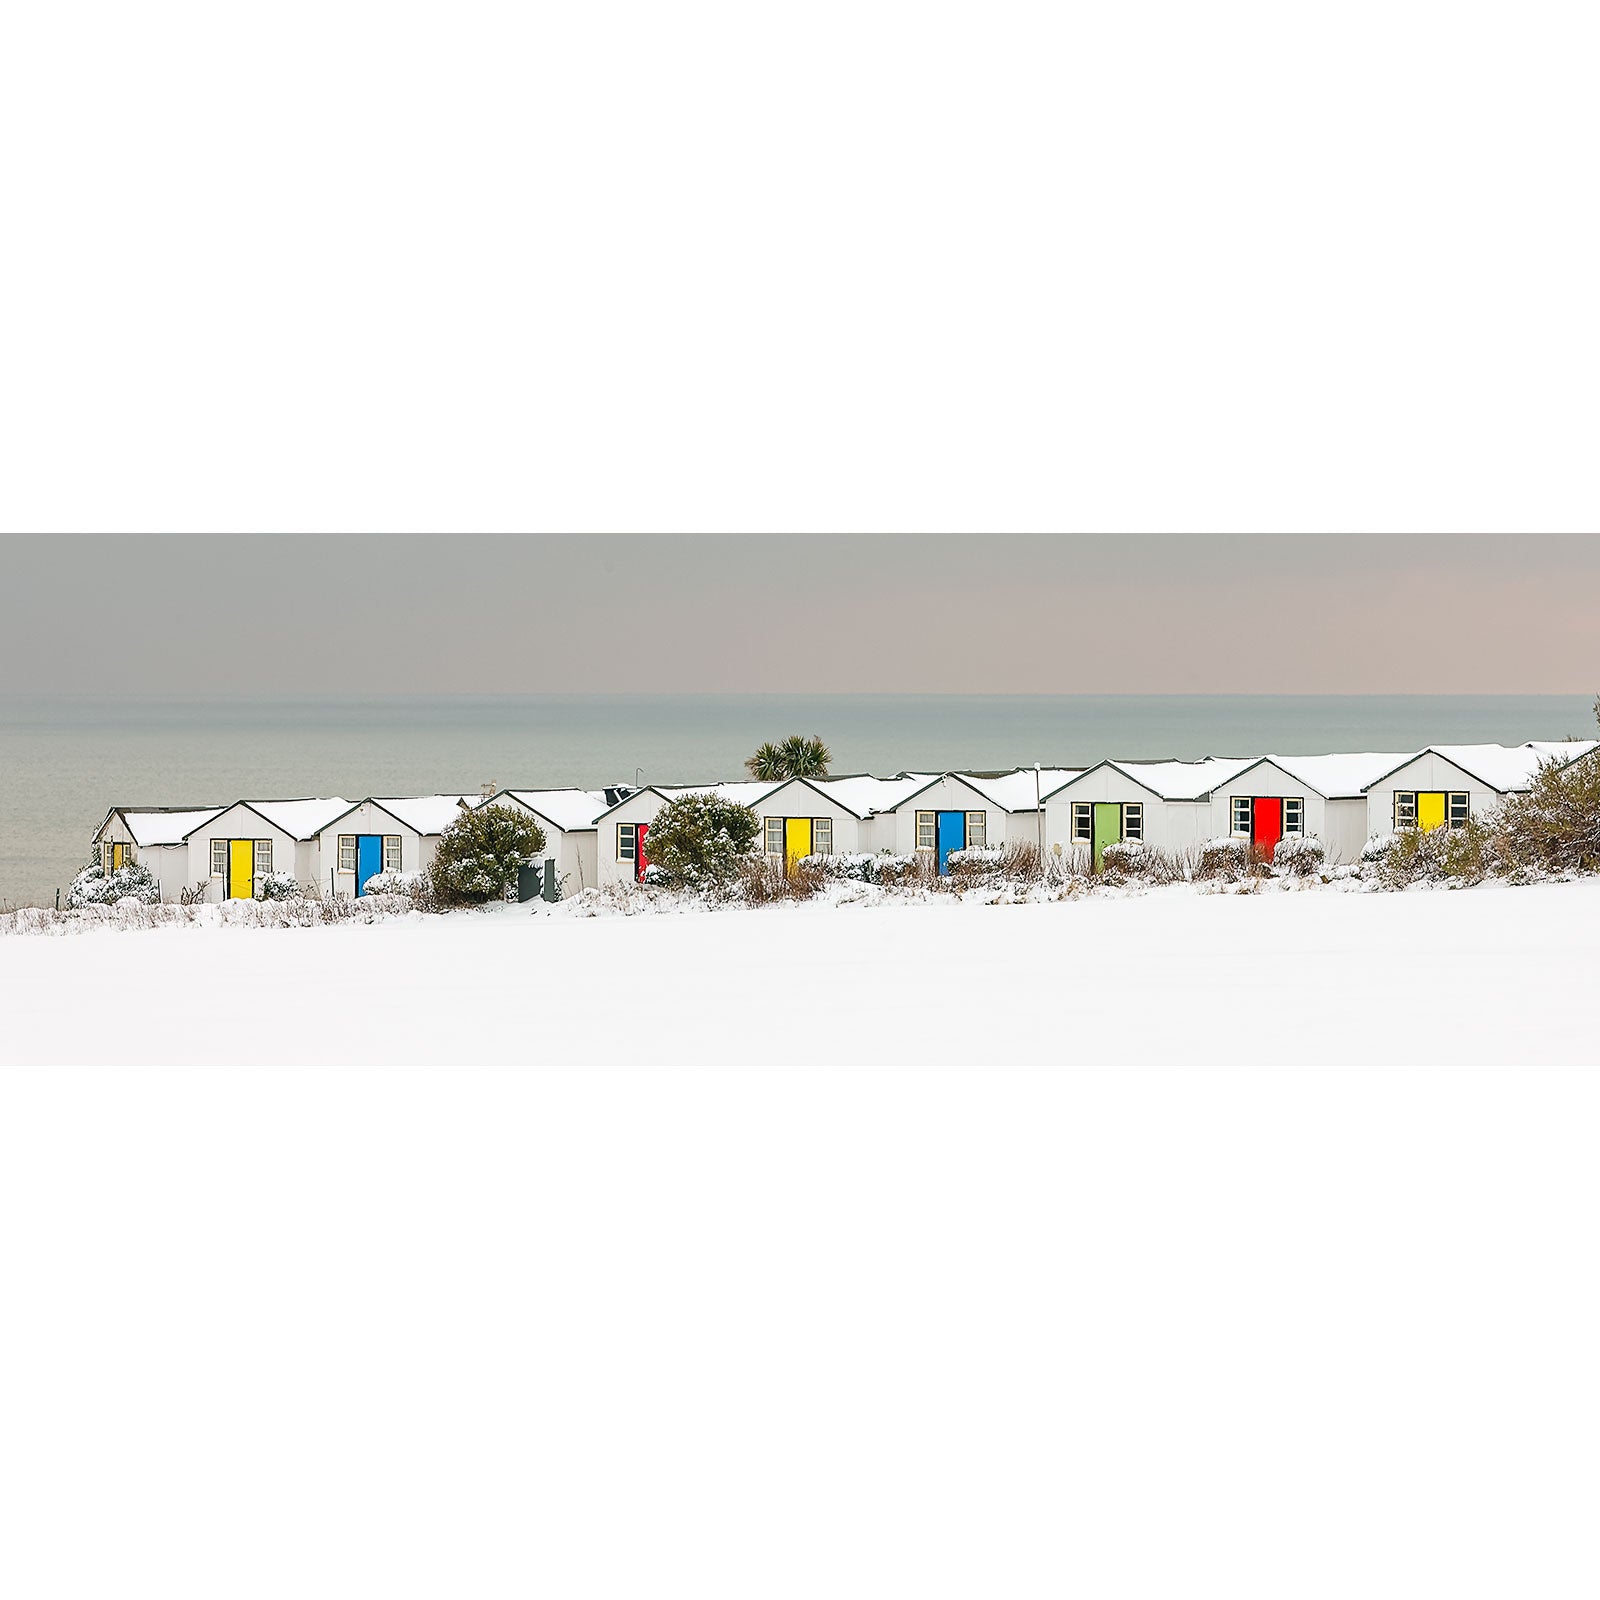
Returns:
point(486, 791)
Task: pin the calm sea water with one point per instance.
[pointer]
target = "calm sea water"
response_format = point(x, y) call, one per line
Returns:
point(65, 761)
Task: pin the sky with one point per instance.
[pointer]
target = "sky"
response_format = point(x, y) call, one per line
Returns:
point(814, 614)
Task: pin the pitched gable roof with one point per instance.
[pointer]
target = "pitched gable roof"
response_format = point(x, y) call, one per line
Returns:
point(570, 810)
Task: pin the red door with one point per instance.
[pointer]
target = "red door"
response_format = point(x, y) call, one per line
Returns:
point(1266, 825)
point(639, 862)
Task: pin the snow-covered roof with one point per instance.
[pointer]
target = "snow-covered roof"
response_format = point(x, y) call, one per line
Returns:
point(1019, 790)
point(300, 819)
point(864, 794)
point(1342, 777)
point(571, 810)
point(1175, 780)
point(1497, 766)
point(425, 813)
point(155, 825)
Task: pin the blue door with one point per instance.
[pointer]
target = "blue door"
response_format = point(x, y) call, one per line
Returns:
point(952, 836)
point(369, 859)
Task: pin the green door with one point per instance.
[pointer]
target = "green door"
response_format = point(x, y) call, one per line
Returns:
point(1107, 830)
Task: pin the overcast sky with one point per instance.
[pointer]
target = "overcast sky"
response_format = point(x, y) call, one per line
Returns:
point(455, 613)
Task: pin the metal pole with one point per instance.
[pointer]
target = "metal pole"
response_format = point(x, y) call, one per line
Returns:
point(1039, 808)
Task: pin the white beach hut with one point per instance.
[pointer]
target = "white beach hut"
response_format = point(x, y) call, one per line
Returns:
point(389, 833)
point(567, 817)
point(622, 831)
point(936, 814)
point(235, 848)
point(1164, 804)
point(1286, 797)
point(155, 836)
point(1446, 784)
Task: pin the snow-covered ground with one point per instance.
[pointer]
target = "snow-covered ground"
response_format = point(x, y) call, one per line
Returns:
point(1490, 974)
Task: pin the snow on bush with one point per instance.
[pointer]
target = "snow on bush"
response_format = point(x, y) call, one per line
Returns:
point(95, 887)
point(977, 855)
point(410, 884)
point(1299, 856)
point(480, 853)
point(278, 886)
point(1125, 855)
point(1379, 846)
point(1227, 858)
point(700, 841)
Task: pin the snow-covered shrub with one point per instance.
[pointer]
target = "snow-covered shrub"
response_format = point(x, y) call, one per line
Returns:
point(278, 886)
point(700, 841)
point(763, 879)
point(410, 884)
point(1457, 856)
point(479, 854)
point(655, 876)
point(1228, 859)
point(1299, 856)
point(1555, 826)
point(96, 887)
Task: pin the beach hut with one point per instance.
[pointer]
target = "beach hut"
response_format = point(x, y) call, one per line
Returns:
point(1446, 785)
point(233, 850)
point(1016, 800)
point(935, 814)
point(803, 817)
point(388, 833)
point(567, 817)
point(1166, 805)
point(154, 836)
point(622, 832)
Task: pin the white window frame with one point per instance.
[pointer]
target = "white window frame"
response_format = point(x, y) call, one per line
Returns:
point(1450, 800)
point(928, 821)
point(772, 835)
point(628, 841)
point(1133, 820)
point(261, 861)
point(391, 852)
point(1405, 809)
point(347, 852)
point(219, 858)
point(1083, 822)
point(822, 836)
point(977, 830)
point(1243, 815)
point(1297, 828)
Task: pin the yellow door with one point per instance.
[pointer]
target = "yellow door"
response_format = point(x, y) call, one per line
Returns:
point(1430, 811)
point(119, 856)
point(241, 869)
point(796, 840)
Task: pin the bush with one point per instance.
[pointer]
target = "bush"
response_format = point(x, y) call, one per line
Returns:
point(279, 886)
point(479, 854)
point(1228, 859)
point(95, 887)
point(1555, 826)
point(1458, 856)
point(1299, 857)
point(764, 879)
point(411, 884)
point(700, 841)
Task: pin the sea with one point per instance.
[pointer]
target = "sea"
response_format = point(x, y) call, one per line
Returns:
point(66, 760)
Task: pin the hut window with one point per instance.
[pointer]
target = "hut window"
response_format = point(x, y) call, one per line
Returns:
point(1241, 816)
point(774, 831)
point(219, 857)
point(627, 841)
point(107, 856)
point(391, 852)
point(822, 836)
point(1405, 809)
point(927, 829)
point(1460, 810)
point(1294, 815)
point(977, 829)
point(1082, 820)
point(1133, 821)
point(347, 852)
point(263, 856)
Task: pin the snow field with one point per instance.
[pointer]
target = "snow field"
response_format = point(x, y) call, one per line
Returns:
point(785, 1334)
point(1490, 974)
